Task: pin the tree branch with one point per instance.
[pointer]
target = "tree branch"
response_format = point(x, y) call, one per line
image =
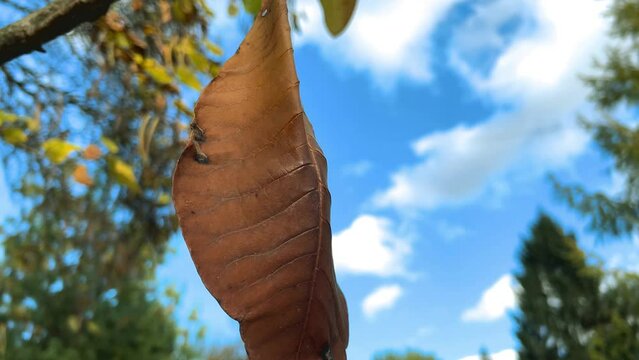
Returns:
point(38, 28)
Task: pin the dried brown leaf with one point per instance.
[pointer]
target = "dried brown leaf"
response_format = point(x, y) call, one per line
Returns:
point(256, 217)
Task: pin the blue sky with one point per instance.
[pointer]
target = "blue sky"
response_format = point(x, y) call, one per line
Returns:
point(441, 121)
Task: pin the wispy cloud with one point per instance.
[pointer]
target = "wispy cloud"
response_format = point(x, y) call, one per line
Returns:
point(494, 302)
point(388, 39)
point(383, 298)
point(370, 245)
point(535, 77)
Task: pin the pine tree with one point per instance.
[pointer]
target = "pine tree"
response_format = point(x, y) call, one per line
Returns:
point(618, 336)
point(616, 83)
point(558, 295)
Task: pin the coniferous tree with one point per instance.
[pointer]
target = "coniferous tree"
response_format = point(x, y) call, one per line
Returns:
point(616, 83)
point(618, 336)
point(558, 295)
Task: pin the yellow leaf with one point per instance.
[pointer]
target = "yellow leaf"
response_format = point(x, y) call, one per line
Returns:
point(93, 328)
point(74, 323)
point(92, 152)
point(164, 199)
point(183, 108)
point(13, 136)
point(58, 150)
point(213, 48)
point(122, 41)
point(81, 175)
point(187, 77)
point(7, 117)
point(33, 124)
point(123, 174)
point(110, 145)
point(156, 71)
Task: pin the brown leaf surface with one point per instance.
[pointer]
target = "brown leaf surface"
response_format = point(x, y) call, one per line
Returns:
point(256, 217)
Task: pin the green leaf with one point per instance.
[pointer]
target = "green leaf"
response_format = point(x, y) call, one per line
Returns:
point(187, 77)
point(58, 150)
point(233, 10)
point(13, 136)
point(123, 173)
point(337, 14)
point(252, 6)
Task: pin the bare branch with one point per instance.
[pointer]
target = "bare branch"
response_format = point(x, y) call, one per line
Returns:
point(46, 24)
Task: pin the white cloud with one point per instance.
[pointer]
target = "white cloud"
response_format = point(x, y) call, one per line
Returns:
point(390, 39)
point(370, 246)
point(508, 354)
point(383, 298)
point(494, 302)
point(535, 78)
point(357, 169)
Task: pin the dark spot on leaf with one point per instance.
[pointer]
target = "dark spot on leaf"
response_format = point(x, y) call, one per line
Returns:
point(327, 354)
point(201, 158)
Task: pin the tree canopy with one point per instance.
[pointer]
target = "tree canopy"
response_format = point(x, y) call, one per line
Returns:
point(614, 85)
point(569, 308)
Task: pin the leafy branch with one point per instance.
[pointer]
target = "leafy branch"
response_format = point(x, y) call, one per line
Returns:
point(38, 28)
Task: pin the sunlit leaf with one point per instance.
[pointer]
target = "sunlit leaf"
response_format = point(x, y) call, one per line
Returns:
point(81, 175)
point(213, 48)
point(13, 136)
point(183, 108)
point(121, 40)
point(154, 69)
point(33, 124)
point(164, 199)
point(7, 117)
point(337, 14)
point(110, 145)
point(93, 328)
point(92, 152)
point(188, 78)
point(123, 173)
point(74, 323)
point(165, 10)
point(58, 150)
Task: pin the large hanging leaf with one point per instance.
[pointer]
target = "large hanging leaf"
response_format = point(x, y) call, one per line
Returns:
point(256, 216)
point(337, 14)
